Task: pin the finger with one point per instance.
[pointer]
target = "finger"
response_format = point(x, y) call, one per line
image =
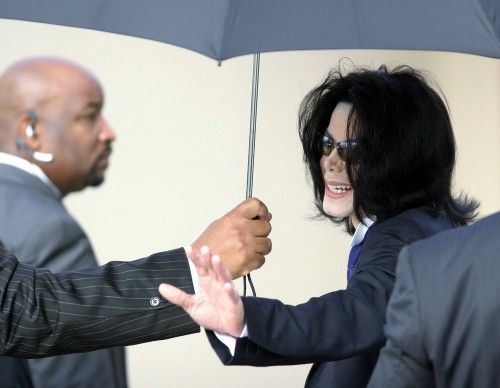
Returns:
point(176, 296)
point(207, 259)
point(225, 278)
point(218, 271)
point(197, 260)
point(256, 261)
point(192, 255)
point(260, 228)
point(263, 245)
point(232, 292)
point(222, 273)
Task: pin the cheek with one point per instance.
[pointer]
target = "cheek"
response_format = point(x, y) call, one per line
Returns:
point(322, 164)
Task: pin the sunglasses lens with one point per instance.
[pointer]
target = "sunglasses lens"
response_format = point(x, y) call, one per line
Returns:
point(327, 146)
point(341, 152)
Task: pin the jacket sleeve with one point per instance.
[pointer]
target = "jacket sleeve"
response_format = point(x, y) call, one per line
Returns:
point(402, 362)
point(117, 304)
point(338, 325)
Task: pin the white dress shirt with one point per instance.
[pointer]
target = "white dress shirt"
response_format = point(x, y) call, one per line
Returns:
point(30, 168)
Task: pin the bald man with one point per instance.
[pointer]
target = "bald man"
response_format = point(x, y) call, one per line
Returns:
point(54, 140)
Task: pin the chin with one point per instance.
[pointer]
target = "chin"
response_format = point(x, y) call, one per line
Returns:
point(95, 181)
point(338, 212)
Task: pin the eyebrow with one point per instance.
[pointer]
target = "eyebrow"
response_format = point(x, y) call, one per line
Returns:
point(327, 134)
point(94, 105)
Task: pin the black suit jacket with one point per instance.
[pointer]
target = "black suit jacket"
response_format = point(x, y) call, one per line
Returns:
point(341, 332)
point(443, 319)
point(117, 304)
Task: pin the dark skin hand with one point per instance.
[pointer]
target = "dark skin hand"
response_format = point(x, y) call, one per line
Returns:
point(239, 238)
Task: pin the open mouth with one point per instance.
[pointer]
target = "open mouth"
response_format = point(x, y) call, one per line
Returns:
point(339, 189)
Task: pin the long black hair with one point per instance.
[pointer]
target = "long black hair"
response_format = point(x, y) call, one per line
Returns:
point(405, 153)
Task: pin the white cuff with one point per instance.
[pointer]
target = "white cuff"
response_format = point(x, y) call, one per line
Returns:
point(229, 340)
point(194, 275)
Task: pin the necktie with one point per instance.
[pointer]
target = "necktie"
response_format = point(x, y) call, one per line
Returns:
point(354, 255)
point(353, 258)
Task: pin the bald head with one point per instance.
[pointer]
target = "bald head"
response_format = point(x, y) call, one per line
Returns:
point(66, 100)
point(36, 84)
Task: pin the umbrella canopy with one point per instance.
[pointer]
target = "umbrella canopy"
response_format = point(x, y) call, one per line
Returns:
point(222, 29)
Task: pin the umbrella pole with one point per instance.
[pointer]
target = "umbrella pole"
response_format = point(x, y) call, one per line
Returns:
point(251, 146)
point(253, 121)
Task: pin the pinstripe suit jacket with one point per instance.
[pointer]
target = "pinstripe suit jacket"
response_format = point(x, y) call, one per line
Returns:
point(341, 332)
point(443, 319)
point(44, 314)
point(117, 304)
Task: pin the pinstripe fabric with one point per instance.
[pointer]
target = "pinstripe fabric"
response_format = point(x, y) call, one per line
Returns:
point(44, 314)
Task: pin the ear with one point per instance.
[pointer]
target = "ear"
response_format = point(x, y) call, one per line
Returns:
point(28, 132)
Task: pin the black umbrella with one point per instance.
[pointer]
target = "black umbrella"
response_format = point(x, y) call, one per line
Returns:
point(223, 29)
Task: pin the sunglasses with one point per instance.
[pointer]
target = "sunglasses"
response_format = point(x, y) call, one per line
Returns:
point(342, 147)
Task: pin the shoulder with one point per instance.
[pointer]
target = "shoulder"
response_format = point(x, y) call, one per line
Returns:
point(410, 225)
point(413, 224)
point(32, 197)
point(477, 240)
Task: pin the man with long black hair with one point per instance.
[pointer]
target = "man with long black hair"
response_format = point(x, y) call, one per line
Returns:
point(380, 149)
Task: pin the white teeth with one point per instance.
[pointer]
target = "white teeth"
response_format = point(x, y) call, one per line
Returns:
point(339, 189)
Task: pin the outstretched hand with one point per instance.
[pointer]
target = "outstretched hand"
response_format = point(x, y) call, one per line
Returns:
point(217, 306)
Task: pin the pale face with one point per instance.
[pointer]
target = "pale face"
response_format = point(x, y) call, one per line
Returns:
point(338, 199)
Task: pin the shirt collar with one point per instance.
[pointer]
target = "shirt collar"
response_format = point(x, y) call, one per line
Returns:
point(360, 232)
point(30, 168)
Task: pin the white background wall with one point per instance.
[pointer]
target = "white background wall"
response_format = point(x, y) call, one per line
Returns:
point(180, 162)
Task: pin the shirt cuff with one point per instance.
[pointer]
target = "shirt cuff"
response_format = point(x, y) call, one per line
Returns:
point(194, 275)
point(229, 340)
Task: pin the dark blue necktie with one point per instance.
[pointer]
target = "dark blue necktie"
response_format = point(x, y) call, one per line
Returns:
point(354, 255)
point(353, 258)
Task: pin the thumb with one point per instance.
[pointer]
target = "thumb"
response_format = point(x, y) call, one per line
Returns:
point(175, 295)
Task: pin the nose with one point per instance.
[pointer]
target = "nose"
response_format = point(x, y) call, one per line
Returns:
point(332, 162)
point(106, 133)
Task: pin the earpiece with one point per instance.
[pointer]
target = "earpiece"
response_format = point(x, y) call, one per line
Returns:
point(29, 131)
point(40, 156)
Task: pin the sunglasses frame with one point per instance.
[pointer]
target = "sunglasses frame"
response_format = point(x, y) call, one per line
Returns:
point(328, 144)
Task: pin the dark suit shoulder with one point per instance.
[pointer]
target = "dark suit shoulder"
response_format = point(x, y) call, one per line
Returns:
point(389, 236)
point(458, 244)
point(424, 219)
point(456, 287)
